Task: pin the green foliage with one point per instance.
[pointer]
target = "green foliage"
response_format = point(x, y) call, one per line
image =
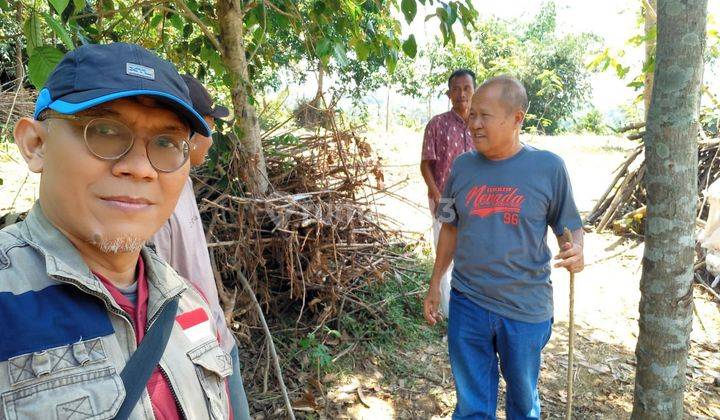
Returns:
point(592, 122)
point(353, 39)
point(615, 60)
point(550, 65)
point(555, 77)
point(317, 351)
point(409, 10)
point(59, 30)
point(59, 5)
point(710, 121)
point(427, 76)
point(410, 46)
point(42, 62)
point(33, 32)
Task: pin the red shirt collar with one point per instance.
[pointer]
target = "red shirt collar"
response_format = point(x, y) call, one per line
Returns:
point(138, 312)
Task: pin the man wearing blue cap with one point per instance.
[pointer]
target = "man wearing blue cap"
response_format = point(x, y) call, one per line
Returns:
point(92, 323)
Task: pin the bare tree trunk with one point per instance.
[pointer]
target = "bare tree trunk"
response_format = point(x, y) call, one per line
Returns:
point(19, 67)
point(650, 13)
point(671, 183)
point(230, 17)
point(317, 101)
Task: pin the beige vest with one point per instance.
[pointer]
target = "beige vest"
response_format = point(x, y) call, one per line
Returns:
point(64, 340)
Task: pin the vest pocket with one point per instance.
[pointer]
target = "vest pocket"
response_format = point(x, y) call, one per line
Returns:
point(212, 366)
point(95, 393)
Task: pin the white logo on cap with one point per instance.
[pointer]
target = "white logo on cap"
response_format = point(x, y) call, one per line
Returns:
point(137, 70)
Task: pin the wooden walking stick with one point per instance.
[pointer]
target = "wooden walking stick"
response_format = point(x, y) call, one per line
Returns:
point(567, 238)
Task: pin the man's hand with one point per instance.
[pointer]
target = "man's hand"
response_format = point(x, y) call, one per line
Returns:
point(434, 195)
point(431, 304)
point(571, 257)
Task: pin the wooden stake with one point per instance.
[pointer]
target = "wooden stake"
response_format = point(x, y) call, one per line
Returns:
point(567, 237)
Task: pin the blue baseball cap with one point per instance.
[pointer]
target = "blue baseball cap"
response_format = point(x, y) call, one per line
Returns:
point(95, 74)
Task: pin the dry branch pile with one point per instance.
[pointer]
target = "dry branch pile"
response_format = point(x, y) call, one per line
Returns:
point(16, 104)
point(622, 206)
point(306, 249)
point(307, 246)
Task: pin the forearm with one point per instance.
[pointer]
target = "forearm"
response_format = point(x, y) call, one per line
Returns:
point(426, 171)
point(444, 253)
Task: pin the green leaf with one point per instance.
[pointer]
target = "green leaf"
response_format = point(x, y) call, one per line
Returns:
point(33, 33)
point(108, 5)
point(177, 22)
point(362, 50)
point(3, 6)
point(452, 13)
point(637, 85)
point(444, 31)
point(60, 30)
point(410, 46)
point(187, 31)
point(155, 21)
point(42, 63)
point(59, 5)
point(323, 48)
point(391, 61)
point(79, 5)
point(599, 58)
point(340, 54)
point(409, 9)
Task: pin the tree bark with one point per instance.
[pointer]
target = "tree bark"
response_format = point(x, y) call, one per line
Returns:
point(671, 183)
point(318, 99)
point(230, 18)
point(650, 13)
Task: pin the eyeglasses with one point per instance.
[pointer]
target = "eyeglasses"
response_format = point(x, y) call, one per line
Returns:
point(109, 139)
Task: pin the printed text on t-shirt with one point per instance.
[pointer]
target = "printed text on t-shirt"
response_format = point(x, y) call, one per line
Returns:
point(484, 201)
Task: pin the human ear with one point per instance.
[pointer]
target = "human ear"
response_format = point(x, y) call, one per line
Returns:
point(30, 136)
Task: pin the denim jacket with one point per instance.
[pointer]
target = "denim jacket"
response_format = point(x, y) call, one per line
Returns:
point(64, 340)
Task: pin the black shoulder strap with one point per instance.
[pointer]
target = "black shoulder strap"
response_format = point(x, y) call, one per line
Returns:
point(138, 369)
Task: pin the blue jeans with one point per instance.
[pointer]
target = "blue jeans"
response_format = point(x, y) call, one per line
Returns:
point(477, 339)
point(238, 399)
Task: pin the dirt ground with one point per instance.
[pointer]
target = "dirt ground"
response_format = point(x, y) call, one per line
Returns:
point(607, 296)
point(19, 186)
point(606, 302)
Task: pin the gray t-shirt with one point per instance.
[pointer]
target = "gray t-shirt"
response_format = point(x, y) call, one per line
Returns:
point(130, 292)
point(502, 210)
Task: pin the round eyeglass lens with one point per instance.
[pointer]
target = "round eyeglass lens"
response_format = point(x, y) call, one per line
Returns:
point(168, 152)
point(108, 139)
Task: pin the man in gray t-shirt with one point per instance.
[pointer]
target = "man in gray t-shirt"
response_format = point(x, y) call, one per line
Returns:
point(496, 207)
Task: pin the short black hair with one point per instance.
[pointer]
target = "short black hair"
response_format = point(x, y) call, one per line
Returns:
point(462, 72)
